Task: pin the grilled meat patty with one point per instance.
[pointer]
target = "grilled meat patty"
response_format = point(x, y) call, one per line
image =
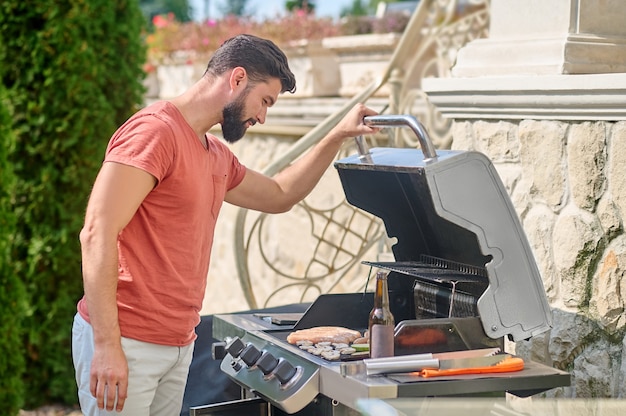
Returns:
point(324, 334)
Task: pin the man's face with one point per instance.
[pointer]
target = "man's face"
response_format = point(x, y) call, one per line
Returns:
point(248, 108)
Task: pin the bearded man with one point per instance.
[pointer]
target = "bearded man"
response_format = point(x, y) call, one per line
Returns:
point(150, 220)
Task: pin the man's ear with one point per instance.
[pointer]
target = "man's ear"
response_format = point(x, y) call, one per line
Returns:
point(238, 78)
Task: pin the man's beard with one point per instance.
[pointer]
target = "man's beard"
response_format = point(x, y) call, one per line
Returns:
point(233, 128)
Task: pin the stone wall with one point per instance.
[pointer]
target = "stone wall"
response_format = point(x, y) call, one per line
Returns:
point(567, 182)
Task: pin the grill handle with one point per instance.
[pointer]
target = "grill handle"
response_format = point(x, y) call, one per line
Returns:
point(364, 152)
point(428, 149)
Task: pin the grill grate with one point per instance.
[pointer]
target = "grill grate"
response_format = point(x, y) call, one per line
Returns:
point(435, 269)
point(453, 265)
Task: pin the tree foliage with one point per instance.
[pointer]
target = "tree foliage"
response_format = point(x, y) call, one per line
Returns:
point(181, 9)
point(235, 8)
point(306, 5)
point(357, 8)
point(72, 70)
point(365, 7)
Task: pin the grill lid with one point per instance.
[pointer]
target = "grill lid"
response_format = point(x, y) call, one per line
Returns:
point(454, 207)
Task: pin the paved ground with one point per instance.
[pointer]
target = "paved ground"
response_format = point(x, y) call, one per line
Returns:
point(52, 411)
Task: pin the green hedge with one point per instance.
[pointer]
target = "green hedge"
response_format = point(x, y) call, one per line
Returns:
point(72, 70)
point(12, 293)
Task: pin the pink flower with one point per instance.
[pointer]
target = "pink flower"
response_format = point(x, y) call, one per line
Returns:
point(148, 67)
point(160, 21)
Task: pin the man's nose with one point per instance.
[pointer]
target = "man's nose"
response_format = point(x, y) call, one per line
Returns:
point(261, 115)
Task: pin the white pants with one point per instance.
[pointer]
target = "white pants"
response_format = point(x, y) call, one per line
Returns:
point(157, 374)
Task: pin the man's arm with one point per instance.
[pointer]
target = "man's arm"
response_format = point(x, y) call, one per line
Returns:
point(115, 197)
point(280, 193)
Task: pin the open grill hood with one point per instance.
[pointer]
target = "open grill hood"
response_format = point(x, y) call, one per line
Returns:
point(454, 206)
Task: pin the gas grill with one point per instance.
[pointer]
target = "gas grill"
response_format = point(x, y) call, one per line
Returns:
point(463, 278)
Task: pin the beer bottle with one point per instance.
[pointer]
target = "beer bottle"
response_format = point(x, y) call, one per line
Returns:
point(381, 322)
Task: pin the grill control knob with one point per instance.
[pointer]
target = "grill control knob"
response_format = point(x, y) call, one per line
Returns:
point(218, 350)
point(250, 355)
point(267, 362)
point(235, 347)
point(284, 371)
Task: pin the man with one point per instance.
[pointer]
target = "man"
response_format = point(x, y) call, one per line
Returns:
point(150, 219)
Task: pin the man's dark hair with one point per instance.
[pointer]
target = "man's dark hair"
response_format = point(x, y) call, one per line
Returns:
point(261, 59)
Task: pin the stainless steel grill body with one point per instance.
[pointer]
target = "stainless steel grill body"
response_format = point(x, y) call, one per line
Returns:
point(463, 277)
point(334, 388)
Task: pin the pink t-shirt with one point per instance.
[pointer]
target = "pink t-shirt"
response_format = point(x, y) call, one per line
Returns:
point(164, 250)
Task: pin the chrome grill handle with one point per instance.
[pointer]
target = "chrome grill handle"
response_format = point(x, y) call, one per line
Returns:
point(361, 146)
point(428, 149)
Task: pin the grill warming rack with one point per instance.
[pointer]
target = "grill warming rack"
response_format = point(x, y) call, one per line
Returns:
point(430, 273)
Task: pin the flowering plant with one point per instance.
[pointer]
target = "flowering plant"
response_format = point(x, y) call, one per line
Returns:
point(199, 39)
point(172, 40)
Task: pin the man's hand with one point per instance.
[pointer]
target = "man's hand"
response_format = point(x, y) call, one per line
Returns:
point(109, 377)
point(352, 124)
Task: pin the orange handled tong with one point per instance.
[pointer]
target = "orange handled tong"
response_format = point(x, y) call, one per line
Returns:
point(506, 365)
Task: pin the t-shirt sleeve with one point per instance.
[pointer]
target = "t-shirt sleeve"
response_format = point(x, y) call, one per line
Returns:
point(238, 171)
point(144, 142)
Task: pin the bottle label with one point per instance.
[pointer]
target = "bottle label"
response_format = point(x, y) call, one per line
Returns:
point(381, 341)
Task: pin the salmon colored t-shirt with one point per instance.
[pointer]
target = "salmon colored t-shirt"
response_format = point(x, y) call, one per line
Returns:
point(164, 250)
